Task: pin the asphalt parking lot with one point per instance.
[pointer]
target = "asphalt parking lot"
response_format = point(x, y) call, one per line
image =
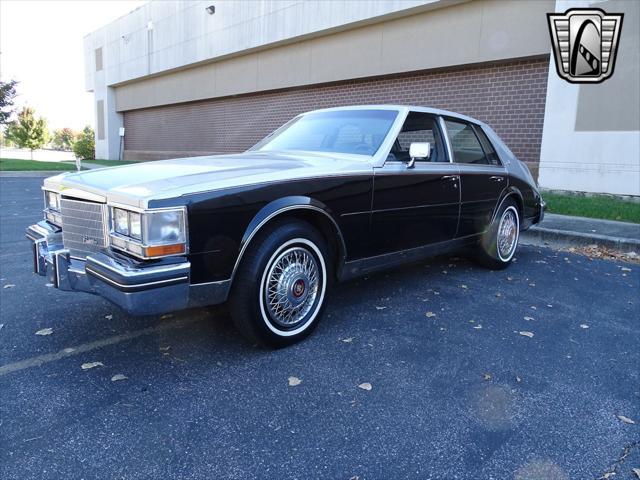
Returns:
point(528, 373)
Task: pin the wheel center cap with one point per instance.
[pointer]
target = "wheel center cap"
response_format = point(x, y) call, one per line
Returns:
point(298, 288)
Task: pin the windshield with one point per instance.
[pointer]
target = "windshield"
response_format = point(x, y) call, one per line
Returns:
point(359, 132)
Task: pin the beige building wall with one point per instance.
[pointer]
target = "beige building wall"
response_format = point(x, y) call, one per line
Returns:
point(467, 33)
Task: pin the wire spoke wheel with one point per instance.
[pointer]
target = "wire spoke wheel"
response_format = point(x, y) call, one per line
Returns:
point(507, 234)
point(292, 286)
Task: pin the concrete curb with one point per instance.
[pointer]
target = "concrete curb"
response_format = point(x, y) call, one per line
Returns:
point(539, 234)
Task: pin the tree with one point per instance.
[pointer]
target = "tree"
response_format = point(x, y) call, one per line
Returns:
point(7, 94)
point(28, 131)
point(84, 147)
point(63, 139)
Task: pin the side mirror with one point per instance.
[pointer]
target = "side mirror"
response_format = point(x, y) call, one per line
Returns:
point(418, 151)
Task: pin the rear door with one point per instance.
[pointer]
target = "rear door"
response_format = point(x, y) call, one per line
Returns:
point(415, 206)
point(482, 175)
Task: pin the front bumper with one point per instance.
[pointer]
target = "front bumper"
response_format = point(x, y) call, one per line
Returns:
point(139, 289)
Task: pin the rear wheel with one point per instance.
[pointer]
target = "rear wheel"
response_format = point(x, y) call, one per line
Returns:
point(498, 245)
point(279, 290)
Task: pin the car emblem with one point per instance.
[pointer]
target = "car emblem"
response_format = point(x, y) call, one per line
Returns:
point(585, 43)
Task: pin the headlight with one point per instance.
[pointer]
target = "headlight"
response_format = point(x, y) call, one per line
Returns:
point(135, 225)
point(121, 221)
point(149, 234)
point(165, 227)
point(52, 207)
point(52, 200)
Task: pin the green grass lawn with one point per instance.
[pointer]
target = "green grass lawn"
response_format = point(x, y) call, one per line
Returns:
point(593, 207)
point(108, 163)
point(18, 165)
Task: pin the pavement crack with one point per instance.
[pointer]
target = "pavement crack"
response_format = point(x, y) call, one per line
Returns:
point(613, 469)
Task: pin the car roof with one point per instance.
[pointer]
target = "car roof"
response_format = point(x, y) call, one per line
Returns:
point(402, 108)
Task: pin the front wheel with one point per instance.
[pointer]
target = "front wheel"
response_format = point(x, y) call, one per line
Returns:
point(498, 245)
point(279, 290)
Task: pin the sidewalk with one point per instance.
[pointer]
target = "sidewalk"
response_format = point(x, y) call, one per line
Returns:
point(578, 231)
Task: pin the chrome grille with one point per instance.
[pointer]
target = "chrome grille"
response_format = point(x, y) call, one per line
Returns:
point(83, 225)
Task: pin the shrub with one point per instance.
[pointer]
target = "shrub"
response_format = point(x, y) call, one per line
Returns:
point(85, 148)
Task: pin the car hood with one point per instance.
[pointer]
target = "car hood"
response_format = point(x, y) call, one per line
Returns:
point(137, 184)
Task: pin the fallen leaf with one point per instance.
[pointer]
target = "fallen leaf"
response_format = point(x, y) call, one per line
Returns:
point(584, 325)
point(380, 308)
point(532, 284)
point(477, 327)
point(518, 379)
point(164, 349)
point(365, 386)
point(486, 376)
point(118, 377)
point(108, 317)
point(87, 366)
point(9, 285)
point(498, 294)
point(636, 471)
point(526, 334)
point(624, 419)
point(528, 319)
point(166, 316)
point(533, 307)
point(347, 340)
point(463, 286)
point(294, 381)
point(509, 278)
point(45, 331)
point(549, 305)
point(430, 314)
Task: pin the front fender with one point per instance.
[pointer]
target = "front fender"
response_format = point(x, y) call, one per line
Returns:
point(278, 207)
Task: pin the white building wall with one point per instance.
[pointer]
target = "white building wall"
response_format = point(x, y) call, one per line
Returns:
point(602, 161)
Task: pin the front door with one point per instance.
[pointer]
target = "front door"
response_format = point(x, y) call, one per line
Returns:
point(415, 206)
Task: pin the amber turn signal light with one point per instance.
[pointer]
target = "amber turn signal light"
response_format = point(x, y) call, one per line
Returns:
point(161, 250)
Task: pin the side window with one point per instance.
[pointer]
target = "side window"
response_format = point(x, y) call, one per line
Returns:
point(418, 127)
point(464, 143)
point(489, 151)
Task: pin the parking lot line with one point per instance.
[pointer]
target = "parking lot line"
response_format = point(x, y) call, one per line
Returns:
point(105, 342)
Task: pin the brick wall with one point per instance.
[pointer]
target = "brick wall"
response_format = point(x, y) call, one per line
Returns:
point(508, 96)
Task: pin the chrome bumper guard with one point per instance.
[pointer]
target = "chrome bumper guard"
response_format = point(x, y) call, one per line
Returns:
point(140, 290)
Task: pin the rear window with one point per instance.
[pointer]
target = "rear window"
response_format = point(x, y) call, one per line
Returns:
point(489, 151)
point(465, 144)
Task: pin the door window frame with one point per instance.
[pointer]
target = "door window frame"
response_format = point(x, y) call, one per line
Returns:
point(439, 130)
point(473, 127)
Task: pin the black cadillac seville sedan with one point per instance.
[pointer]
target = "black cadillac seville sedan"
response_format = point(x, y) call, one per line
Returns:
point(330, 195)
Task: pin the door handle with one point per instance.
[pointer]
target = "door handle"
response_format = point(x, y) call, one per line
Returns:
point(496, 178)
point(449, 177)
